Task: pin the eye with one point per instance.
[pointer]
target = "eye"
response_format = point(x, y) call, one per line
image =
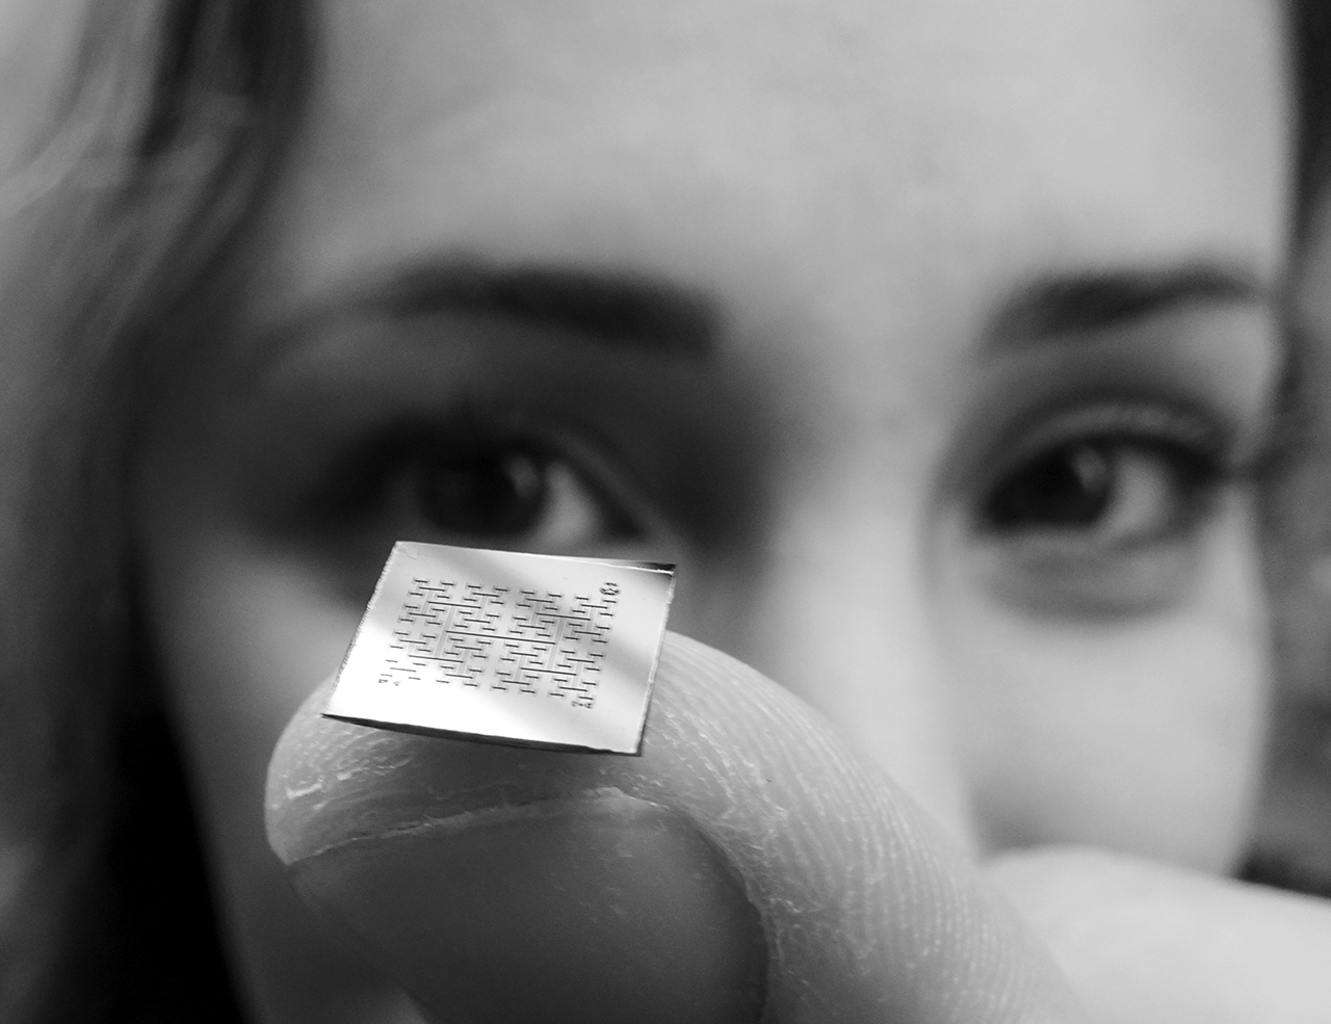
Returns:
point(1105, 493)
point(1103, 509)
point(488, 485)
point(512, 492)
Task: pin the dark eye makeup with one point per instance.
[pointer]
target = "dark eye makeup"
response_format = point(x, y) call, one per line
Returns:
point(1111, 473)
point(1082, 475)
point(1103, 505)
point(475, 479)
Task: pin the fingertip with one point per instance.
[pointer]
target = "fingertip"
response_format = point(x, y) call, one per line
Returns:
point(863, 908)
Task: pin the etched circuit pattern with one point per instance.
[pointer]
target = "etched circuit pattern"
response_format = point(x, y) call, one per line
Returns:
point(523, 641)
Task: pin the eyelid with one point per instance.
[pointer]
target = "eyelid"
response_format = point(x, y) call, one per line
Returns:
point(1144, 421)
point(1051, 571)
point(1217, 366)
point(361, 472)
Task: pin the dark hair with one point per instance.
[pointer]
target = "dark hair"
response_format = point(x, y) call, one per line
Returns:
point(173, 121)
point(1299, 481)
point(1310, 42)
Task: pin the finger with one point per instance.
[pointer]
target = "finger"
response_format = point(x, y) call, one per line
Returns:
point(1147, 943)
point(743, 866)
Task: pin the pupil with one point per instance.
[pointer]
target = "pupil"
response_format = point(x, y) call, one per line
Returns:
point(1071, 487)
point(487, 493)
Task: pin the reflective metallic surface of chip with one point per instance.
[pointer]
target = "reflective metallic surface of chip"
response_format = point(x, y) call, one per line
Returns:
point(538, 650)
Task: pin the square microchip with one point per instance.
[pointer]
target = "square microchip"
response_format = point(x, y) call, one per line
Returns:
point(540, 650)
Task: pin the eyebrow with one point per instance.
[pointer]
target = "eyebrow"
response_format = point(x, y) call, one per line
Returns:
point(626, 310)
point(1082, 303)
point(616, 308)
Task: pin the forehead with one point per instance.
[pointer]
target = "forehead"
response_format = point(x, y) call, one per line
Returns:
point(760, 130)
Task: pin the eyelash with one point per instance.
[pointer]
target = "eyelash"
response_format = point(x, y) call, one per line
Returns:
point(407, 452)
point(1164, 465)
point(1127, 542)
point(1196, 449)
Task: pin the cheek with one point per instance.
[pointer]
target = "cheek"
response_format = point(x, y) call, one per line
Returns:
point(243, 635)
point(1144, 734)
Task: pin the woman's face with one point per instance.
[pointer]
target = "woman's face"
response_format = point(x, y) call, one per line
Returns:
point(933, 340)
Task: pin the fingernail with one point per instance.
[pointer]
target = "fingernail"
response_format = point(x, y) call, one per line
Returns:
point(600, 907)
